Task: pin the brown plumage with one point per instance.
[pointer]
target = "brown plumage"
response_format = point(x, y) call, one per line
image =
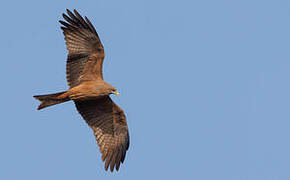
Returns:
point(89, 91)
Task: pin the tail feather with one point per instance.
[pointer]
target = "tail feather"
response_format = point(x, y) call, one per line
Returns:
point(50, 99)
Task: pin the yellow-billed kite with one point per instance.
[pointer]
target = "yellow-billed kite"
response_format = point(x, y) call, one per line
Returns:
point(89, 91)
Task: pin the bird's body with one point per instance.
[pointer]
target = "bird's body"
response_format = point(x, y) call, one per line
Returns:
point(89, 91)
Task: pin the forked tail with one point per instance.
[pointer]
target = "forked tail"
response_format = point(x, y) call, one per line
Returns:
point(50, 99)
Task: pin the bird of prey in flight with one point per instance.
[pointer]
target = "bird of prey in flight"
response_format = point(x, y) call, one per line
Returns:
point(89, 91)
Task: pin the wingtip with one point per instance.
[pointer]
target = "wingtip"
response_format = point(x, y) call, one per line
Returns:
point(117, 168)
point(75, 11)
point(106, 168)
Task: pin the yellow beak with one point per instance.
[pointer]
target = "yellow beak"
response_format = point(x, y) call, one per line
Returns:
point(117, 93)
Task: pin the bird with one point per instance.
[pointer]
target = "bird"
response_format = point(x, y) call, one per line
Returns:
point(89, 91)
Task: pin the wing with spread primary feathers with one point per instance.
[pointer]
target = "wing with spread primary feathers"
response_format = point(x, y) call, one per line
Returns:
point(86, 53)
point(108, 122)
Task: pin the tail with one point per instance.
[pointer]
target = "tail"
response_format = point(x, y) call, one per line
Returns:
point(50, 99)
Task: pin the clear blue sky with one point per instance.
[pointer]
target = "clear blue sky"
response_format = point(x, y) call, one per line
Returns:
point(205, 86)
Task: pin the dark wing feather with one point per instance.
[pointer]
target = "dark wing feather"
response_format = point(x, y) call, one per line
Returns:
point(86, 52)
point(108, 122)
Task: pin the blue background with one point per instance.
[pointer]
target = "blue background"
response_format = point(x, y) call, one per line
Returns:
point(205, 86)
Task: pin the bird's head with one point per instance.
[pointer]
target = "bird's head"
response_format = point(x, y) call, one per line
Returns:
point(114, 91)
point(108, 89)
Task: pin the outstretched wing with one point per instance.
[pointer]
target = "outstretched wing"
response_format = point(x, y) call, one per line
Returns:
point(86, 53)
point(108, 122)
